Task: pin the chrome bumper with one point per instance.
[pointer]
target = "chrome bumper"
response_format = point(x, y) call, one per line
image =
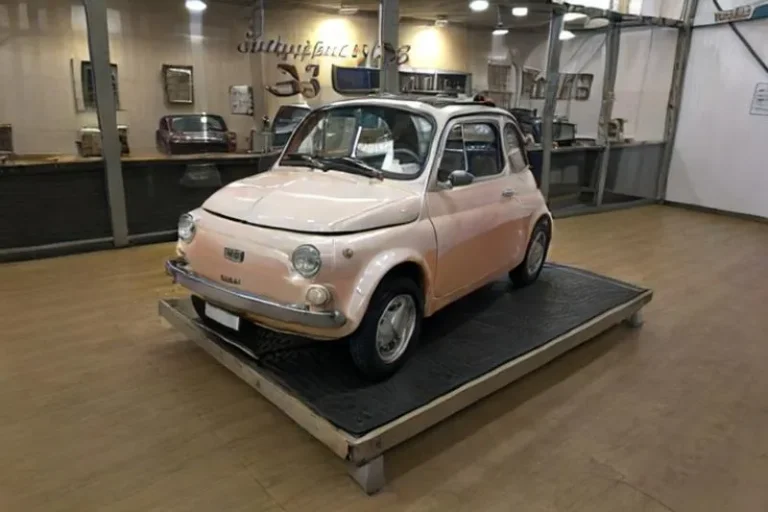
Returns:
point(243, 302)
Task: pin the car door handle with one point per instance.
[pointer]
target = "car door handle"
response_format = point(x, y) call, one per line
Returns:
point(508, 192)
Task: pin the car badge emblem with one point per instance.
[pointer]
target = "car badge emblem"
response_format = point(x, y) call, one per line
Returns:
point(235, 255)
point(230, 280)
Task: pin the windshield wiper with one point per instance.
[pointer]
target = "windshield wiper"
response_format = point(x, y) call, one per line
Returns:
point(356, 166)
point(302, 159)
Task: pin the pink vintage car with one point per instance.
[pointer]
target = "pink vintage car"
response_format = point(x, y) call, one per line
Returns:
point(379, 212)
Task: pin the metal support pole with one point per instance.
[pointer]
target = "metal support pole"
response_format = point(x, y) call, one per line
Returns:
point(389, 28)
point(98, 44)
point(554, 45)
point(682, 52)
point(612, 45)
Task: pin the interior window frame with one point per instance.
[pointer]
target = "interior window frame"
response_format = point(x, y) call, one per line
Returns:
point(521, 145)
point(462, 120)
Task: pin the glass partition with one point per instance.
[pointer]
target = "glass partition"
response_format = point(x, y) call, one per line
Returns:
point(52, 182)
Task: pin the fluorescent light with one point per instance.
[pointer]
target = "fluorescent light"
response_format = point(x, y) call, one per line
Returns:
point(441, 22)
point(478, 5)
point(573, 16)
point(566, 35)
point(501, 31)
point(519, 11)
point(348, 11)
point(195, 5)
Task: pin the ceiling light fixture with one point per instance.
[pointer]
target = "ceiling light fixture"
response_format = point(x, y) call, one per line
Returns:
point(566, 35)
point(478, 5)
point(195, 5)
point(500, 29)
point(441, 21)
point(573, 16)
point(520, 11)
point(347, 11)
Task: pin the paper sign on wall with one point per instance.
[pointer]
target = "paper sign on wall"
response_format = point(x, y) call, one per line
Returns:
point(760, 100)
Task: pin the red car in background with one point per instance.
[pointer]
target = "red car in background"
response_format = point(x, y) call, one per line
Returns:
point(183, 134)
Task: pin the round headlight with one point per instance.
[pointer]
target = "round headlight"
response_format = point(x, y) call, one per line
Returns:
point(306, 260)
point(186, 228)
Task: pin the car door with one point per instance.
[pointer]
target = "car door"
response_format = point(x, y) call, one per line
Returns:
point(526, 198)
point(470, 221)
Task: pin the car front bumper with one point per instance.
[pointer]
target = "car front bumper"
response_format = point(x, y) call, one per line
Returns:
point(247, 303)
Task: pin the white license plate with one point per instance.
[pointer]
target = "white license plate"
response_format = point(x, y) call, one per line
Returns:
point(223, 317)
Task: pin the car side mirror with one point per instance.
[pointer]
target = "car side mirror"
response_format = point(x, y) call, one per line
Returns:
point(460, 178)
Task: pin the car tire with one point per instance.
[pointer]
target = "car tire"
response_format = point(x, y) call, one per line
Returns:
point(535, 255)
point(377, 349)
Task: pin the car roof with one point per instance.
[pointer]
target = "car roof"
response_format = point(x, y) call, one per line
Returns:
point(439, 107)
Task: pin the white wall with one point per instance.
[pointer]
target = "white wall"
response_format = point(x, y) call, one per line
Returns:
point(663, 8)
point(644, 77)
point(719, 158)
point(41, 41)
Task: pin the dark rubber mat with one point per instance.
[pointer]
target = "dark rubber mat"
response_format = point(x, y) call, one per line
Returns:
point(464, 341)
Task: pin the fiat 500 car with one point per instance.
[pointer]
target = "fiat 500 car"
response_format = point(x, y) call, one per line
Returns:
point(379, 212)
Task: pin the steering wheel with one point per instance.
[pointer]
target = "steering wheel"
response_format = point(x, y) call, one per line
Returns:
point(411, 156)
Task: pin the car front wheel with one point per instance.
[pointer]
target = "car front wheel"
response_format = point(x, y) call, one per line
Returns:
point(389, 329)
point(535, 256)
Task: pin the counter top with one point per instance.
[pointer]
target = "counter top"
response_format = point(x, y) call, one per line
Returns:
point(61, 160)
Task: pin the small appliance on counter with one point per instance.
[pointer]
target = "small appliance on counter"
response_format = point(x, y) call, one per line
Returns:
point(89, 141)
point(616, 130)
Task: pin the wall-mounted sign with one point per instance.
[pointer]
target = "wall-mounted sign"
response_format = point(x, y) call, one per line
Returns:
point(754, 11)
point(760, 100)
point(311, 51)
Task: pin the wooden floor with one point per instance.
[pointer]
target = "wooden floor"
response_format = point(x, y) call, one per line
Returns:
point(104, 408)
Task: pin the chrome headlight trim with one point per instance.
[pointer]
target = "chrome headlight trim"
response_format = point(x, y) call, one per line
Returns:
point(186, 228)
point(306, 260)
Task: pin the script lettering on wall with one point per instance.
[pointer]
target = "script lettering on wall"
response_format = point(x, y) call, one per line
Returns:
point(307, 50)
point(295, 85)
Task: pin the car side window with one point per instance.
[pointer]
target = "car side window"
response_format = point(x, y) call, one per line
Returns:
point(515, 148)
point(471, 147)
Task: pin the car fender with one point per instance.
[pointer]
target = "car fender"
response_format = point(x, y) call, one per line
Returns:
point(538, 213)
point(377, 269)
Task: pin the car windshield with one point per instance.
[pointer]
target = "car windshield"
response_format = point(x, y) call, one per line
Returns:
point(374, 140)
point(198, 124)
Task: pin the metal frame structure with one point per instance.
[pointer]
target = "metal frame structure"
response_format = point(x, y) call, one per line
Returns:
point(98, 39)
point(98, 45)
point(613, 37)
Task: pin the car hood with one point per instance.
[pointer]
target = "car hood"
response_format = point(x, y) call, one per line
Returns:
point(300, 199)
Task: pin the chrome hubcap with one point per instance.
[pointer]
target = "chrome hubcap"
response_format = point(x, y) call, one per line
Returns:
point(395, 328)
point(536, 252)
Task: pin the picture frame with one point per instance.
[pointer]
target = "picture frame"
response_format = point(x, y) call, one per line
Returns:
point(241, 100)
point(178, 82)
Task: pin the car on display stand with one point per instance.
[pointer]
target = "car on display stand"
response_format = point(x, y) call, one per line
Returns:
point(379, 212)
point(182, 134)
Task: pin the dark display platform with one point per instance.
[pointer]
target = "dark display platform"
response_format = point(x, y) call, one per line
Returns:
point(468, 339)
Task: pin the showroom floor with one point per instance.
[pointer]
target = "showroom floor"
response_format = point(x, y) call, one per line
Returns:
point(105, 408)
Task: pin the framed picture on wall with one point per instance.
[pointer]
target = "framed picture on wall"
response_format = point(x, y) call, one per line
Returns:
point(583, 86)
point(241, 100)
point(178, 82)
point(88, 82)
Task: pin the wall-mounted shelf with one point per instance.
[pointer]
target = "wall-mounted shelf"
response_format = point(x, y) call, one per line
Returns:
point(353, 81)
